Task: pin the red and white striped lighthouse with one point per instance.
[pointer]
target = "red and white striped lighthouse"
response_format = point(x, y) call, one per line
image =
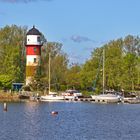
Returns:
point(33, 53)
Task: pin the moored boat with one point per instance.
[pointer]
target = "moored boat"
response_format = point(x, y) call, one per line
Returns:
point(52, 96)
point(110, 97)
point(107, 98)
point(72, 94)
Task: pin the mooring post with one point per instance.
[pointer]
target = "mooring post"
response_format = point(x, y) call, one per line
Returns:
point(5, 107)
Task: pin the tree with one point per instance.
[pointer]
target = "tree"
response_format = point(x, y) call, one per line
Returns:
point(73, 77)
point(12, 59)
point(121, 65)
point(131, 61)
point(58, 65)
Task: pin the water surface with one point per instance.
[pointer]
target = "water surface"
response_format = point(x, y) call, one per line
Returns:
point(75, 121)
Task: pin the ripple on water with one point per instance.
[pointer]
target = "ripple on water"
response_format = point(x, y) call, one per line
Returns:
point(75, 121)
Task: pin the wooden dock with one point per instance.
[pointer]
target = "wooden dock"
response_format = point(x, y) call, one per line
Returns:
point(131, 100)
point(81, 99)
point(124, 100)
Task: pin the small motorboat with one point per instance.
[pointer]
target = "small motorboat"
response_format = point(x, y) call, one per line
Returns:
point(72, 94)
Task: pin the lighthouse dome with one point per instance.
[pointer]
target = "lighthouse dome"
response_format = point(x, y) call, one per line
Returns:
point(33, 31)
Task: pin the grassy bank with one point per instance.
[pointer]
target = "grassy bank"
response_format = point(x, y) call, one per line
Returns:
point(6, 96)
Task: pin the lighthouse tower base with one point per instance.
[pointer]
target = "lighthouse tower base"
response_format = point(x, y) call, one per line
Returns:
point(28, 80)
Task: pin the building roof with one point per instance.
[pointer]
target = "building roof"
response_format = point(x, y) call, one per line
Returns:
point(33, 31)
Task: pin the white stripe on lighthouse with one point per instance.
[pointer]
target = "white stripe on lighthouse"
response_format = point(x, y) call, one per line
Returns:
point(33, 60)
point(33, 40)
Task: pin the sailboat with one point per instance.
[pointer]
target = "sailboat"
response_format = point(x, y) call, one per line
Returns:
point(109, 97)
point(52, 96)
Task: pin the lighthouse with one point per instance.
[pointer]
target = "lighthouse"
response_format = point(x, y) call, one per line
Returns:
point(33, 53)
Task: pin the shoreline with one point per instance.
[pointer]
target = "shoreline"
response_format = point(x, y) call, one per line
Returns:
point(15, 97)
point(9, 97)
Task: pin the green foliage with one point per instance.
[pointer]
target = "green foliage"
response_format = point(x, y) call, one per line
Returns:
point(122, 67)
point(122, 64)
point(12, 59)
point(58, 67)
point(5, 81)
point(73, 77)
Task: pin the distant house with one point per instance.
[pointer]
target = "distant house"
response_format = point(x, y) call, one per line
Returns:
point(17, 86)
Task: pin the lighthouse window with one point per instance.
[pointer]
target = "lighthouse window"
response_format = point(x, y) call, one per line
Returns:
point(34, 60)
point(38, 39)
point(34, 49)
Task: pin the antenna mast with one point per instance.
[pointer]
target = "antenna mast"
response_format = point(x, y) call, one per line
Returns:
point(103, 70)
point(49, 74)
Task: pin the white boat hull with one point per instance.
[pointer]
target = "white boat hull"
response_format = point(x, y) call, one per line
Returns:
point(108, 98)
point(71, 94)
point(51, 98)
point(70, 97)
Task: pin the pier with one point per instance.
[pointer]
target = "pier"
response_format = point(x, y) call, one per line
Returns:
point(125, 100)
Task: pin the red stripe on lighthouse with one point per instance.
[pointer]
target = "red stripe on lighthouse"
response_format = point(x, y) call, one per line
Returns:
point(33, 50)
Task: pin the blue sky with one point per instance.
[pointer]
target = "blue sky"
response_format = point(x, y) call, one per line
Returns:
point(81, 25)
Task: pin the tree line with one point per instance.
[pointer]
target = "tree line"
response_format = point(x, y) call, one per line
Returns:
point(122, 64)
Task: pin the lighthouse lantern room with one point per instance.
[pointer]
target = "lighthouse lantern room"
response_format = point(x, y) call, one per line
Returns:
point(33, 53)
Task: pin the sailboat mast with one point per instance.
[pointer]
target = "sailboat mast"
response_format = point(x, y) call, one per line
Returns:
point(103, 70)
point(49, 73)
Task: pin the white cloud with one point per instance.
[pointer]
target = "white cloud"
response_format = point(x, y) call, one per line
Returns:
point(79, 39)
point(22, 1)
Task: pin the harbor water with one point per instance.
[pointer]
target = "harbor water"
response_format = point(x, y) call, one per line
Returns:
point(74, 121)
